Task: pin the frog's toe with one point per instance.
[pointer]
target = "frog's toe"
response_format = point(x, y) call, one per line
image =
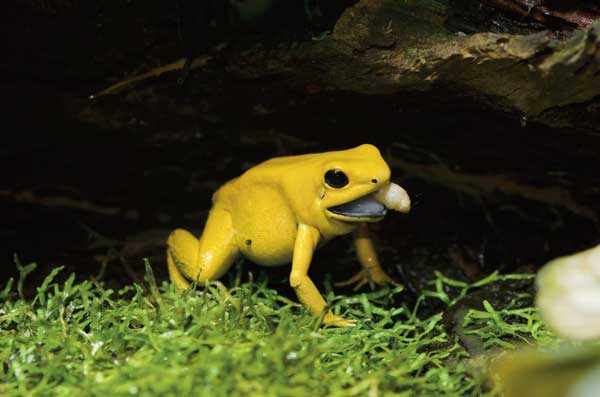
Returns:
point(358, 280)
point(331, 320)
point(364, 277)
point(381, 278)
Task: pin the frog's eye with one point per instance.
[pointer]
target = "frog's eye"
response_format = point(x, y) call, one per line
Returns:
point(336, 179)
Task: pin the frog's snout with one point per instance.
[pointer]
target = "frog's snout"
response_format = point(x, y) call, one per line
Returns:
point(393, 197)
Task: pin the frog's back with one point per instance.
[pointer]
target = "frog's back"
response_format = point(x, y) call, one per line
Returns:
point(314, 163)
point(277, 169)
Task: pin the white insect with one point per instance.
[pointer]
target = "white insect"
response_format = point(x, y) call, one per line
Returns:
point(394, 198)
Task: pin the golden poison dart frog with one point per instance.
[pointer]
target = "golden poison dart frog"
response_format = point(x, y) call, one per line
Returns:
point(280, 211)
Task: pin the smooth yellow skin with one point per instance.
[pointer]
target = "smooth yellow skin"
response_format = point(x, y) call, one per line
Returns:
point(277, 213)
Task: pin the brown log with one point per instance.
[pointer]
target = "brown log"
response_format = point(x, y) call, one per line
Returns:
point(575, 14)
point(382, 47)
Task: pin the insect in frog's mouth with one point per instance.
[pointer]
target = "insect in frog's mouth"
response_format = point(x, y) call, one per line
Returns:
point(364, 207)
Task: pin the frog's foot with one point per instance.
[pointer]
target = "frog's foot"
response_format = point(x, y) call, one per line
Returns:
point(367, 276)
point(331, 320)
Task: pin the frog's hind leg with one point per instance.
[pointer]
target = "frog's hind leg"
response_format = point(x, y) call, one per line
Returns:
point(207, 258)
point(182, 252)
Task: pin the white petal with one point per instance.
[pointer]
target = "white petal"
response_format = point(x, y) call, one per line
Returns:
point(569, 294)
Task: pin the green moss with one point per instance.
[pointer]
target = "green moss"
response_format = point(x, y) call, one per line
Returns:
point(83, 339)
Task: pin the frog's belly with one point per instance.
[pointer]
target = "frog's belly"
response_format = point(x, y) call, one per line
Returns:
point(265, 230)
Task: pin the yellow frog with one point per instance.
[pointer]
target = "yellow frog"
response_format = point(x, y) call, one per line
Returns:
point(280, 211)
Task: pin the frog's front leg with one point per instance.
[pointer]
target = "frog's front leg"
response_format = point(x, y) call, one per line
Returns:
point(306, 242)
point(208, 258)
point(367, 256)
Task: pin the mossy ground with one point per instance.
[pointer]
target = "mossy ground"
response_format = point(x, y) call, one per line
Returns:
point(82, 339)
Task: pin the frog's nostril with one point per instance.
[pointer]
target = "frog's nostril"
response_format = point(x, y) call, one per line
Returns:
point(374, 180)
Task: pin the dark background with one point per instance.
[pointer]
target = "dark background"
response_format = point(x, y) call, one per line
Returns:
point(96, 186)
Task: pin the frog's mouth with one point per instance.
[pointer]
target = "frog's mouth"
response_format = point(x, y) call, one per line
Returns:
point(373, 207)
point(366, 207)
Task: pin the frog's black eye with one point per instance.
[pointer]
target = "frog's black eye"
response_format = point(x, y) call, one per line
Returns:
point(336, 179)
